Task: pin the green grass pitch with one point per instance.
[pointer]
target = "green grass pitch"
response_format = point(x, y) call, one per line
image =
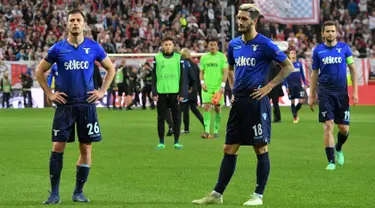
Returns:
point(128, 172)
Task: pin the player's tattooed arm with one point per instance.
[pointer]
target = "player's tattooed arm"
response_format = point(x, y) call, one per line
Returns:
point(109, 67)
point(353, 74)
point(231, 76)
point(284, 73)
point(40, 70)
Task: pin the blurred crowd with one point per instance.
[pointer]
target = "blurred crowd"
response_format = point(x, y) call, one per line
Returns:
point(29, 28)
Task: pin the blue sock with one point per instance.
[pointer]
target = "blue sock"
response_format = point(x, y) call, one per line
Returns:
point(263, 170)
point(294, 110)
point(81, 177)
point(330, 154)
point(228, 165)
point(341, 139)
point(161, 140)
point(55, 167)
point(298, 107)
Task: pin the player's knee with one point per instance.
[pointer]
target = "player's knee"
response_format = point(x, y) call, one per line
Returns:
point(301, 101)
point(85, 148)
point(344, 129)
point(217, 109)
point(207, 107)
point(260, 149)
point(230, 149)
point(58, 146)
point(328, 126)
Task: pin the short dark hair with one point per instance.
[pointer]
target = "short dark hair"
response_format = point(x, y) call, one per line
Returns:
point(212, 39)
point(328, 23)
point(76, 11)
point(252, 9)
point(168, 38)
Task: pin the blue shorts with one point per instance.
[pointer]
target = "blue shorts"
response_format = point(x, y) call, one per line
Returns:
point(334, 107)
point(249, 122)
point(296, 92)
point(67, 117)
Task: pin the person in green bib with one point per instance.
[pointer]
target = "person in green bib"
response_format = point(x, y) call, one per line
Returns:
point(213, 76)
point(167, 89)
point(6, 88)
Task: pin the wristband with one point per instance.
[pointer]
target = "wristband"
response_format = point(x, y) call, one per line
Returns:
point(202, 81)
point(223, 84)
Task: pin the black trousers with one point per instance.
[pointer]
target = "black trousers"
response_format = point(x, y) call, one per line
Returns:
point(276, 109)
point(186, 117)
point(6, 98)
point(27, 95)
point(146, 92)
point(111, 94)
point(166, 102)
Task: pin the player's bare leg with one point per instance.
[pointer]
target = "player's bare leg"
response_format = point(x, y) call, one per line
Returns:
point(342, 136)
point(83, 169)
point(329, 144)
point(55, 167)
point(217, 120)
point(207, 120)
point(227, 168)
point(263, 170)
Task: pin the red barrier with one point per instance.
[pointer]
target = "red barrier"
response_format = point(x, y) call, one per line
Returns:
point(366, 94)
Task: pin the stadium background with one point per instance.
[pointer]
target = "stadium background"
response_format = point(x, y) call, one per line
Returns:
point(29, 28)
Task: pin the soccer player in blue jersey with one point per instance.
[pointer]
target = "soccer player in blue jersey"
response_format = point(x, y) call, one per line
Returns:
point(249, 58)
point(294, 87)
point(75, 97)
point(329, 68)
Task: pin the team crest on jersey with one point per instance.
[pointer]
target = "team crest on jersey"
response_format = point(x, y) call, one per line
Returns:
point(338, 50)
point(255, 47)
point(87, 50)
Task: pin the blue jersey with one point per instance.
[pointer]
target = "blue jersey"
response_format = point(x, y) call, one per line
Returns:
point(75, 67)
point(252, 61)
point(332, 61)
point(294, 78)
point(52, 74)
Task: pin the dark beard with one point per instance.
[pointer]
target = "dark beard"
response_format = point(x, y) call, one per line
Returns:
point(247, 30)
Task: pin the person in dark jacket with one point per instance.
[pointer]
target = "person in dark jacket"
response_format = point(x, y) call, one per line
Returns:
point(191, 76)
point(276, 92)
point(98, 81)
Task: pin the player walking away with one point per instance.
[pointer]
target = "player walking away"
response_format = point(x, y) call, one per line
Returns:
point(6, 88)
point(122, 80)
point(167, 89)
point(146, 76)
point(75, 97)
point(249, 121)
point(213, 76)
point(191, 75)
point(329, 67)
point(294, 87)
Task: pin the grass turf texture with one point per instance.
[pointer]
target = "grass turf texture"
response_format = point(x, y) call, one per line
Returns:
point(128, 172)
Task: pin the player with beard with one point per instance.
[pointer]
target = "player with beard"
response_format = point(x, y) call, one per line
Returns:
point(249, 123)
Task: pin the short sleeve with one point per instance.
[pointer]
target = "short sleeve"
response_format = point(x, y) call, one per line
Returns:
point(51, 56)
point(348, 51)
point(230, 55)
point(201, 63)
point(315, 60)
point(274, 52)
point(100, 53)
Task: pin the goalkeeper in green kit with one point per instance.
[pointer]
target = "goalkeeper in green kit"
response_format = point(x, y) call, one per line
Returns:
point(213, 76)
